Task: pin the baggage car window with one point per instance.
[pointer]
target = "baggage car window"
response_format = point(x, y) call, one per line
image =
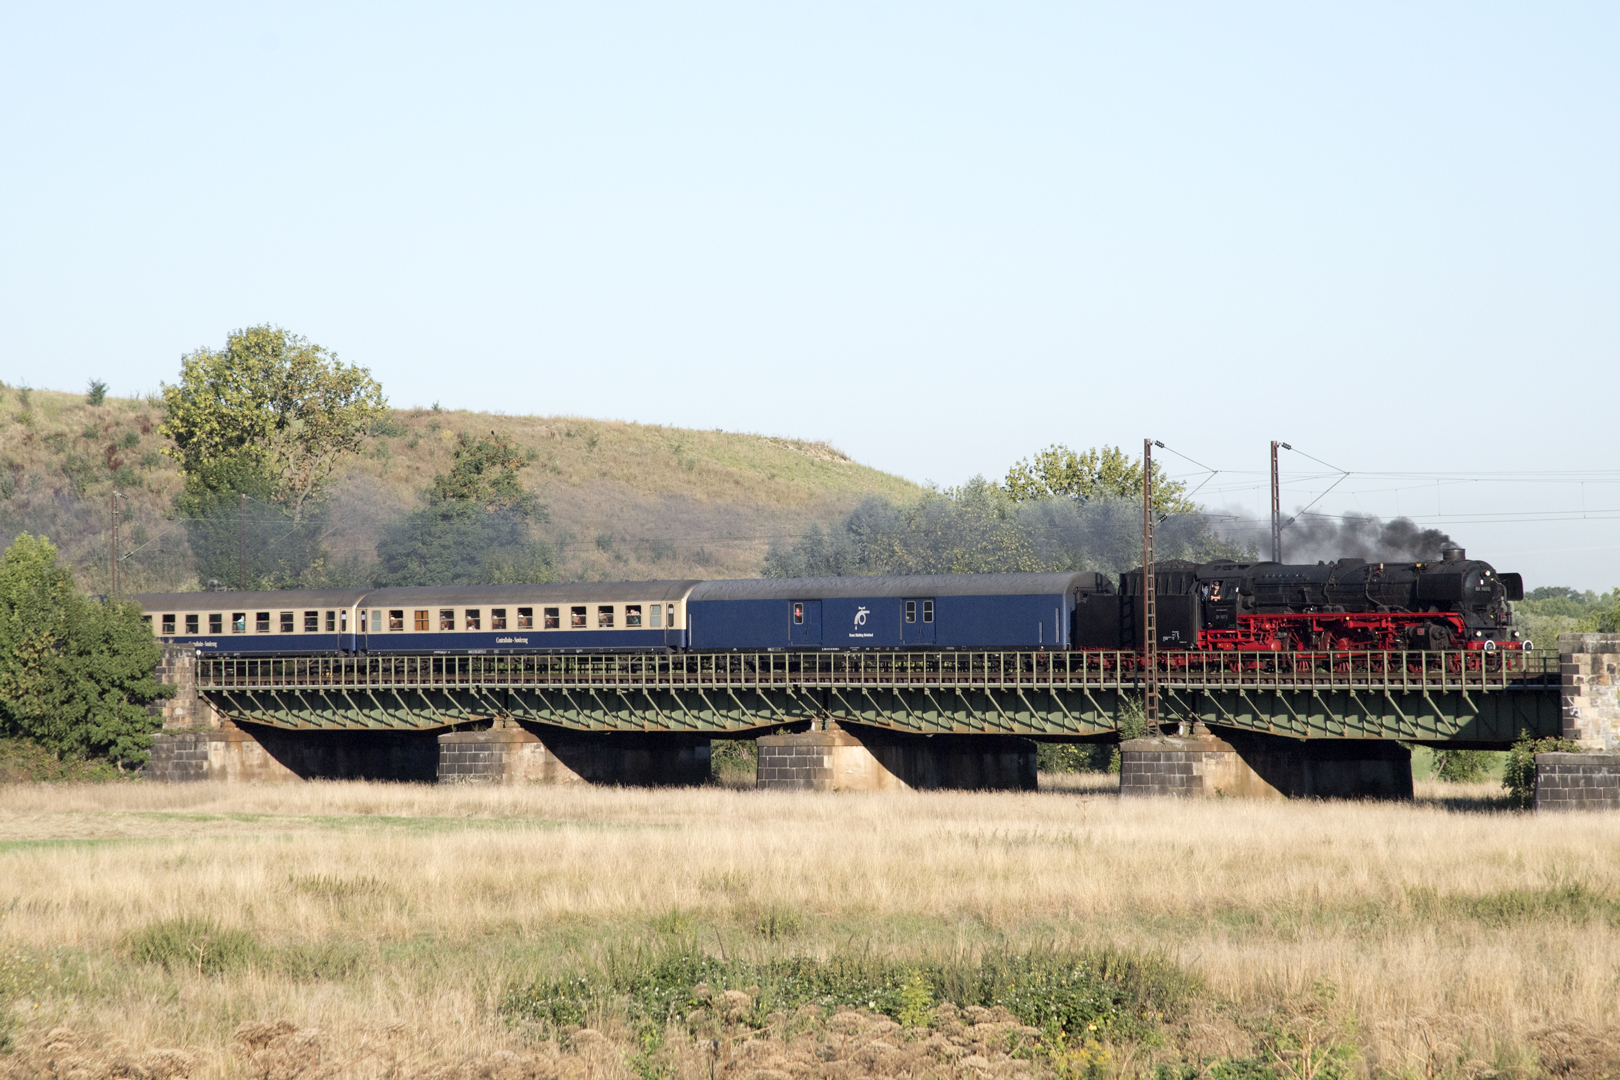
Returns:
point(216, 624)
point(419, 620)
point(553, 618)
point(928, 611)
point(911, 611)
point(191, 624)
point(497, 618)
point(632, 615)
point(396, 620)
point(604, 617)
point(168, 624)
point(447, 618)
point(525, 618)
point(657, 614)
point(473, 620)
point(312, 622)
point(576, 618)
point(798, 614)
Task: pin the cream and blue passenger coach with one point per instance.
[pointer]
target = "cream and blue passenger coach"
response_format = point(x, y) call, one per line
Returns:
point(587, 616)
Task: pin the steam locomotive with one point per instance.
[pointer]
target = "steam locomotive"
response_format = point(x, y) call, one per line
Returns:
point(1349, 604)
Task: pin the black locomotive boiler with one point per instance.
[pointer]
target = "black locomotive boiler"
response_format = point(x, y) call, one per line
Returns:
point(1348, 604)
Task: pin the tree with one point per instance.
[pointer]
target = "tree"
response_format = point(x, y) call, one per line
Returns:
point(75, 675)
point(478, 525)
point(289, 409)
point(281, 551)
point(1058, 472)
point(485, 472)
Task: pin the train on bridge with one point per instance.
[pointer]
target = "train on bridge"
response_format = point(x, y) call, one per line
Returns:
point(1350, 604)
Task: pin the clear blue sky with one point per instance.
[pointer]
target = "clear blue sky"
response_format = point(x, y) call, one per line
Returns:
point(940, 236)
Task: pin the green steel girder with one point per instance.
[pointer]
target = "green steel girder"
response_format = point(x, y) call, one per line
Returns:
point(1051, 713)
point(1454, 716)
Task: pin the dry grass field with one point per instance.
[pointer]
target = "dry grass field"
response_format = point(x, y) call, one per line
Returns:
point(392, 930)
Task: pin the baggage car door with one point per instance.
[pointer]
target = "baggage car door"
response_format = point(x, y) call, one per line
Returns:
point(917, 621)
point(804, 627)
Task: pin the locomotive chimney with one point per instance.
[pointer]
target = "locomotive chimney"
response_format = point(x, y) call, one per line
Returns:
point(1453, 554)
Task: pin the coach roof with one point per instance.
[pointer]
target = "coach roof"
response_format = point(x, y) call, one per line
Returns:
point(605, 592)
point(918, 585)
point(228, 600)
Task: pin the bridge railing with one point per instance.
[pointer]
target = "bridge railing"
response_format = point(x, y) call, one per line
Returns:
point(988, 670)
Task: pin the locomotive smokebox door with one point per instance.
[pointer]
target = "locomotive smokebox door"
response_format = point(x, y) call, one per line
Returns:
point(805, 625)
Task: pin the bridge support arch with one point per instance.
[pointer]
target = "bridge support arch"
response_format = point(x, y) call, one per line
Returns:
point(1246, 766)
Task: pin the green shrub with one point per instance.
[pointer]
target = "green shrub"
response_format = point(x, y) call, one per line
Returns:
point(197, 944)
point(1519, 772)
point(1462, 766)
point(1072, 757)
point(96, 392)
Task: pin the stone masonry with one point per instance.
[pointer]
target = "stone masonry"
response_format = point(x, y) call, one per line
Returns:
point(510, 753)
point(870, 759)
point(1591, 690)
point(187, 709)
point(1246, 766)
point(1578, 781)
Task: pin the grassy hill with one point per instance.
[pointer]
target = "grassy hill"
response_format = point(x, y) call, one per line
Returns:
point(625, 500)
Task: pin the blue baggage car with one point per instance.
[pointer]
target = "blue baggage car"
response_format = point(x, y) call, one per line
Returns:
point(944, 611)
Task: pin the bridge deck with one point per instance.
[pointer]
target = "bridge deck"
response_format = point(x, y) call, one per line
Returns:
point(1460, 696)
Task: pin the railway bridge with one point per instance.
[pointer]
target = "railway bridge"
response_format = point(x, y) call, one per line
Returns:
point(1285, 722)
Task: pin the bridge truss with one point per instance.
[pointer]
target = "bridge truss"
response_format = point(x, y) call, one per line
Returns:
point(1462, 698)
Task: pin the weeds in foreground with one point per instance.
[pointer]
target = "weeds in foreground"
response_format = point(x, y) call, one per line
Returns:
point(1101, 994)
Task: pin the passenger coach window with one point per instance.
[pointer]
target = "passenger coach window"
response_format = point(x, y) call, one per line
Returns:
point(525, 618)
point(447, 618)
point(396, 620)
point(928, 611)
point(497, 618)
point(191, 624)
point(331, 621)
point(420, 621)
point(168, 624)
point(604, 617)
point(312, 622)
point(216, 624)
point(473, 622)
point(553, 618)
point(911, 611)
point(657, 614)
point(576, 618)
point(632, 615)
point(261, 622)
point(286, 622)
